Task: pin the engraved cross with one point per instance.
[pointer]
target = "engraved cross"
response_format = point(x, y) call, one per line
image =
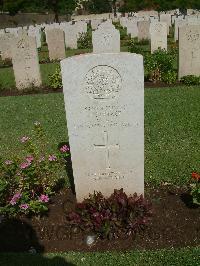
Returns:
point(107, 148)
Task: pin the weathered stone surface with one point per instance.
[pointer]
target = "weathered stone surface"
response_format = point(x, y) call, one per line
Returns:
point(132, 28)
point(106, 40)
point(35, 32)
point(95, 23)
point(158, 32)
point(56, 44)
point(167, 19)
point(105, 115)
point(71, 37)
point(25, 62)
point(143, 30)
point(179, 22)
point(5, 45)
point(189, 50)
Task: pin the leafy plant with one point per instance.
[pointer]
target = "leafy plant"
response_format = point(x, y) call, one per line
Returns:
point(55, 80)
point(169, 77)
point(143, 42)
point(134, 48)
point(110, 217)
point(190, 80)
point(85, 40)
point(195, 188)
point(26, 184)
point(159, 66)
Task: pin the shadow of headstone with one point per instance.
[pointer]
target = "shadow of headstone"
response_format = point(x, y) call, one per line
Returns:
point(68, 167)
point(19, 245)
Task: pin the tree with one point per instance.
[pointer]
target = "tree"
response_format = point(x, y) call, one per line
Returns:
point(12, 6)
point(97, 6)
point(55, 6)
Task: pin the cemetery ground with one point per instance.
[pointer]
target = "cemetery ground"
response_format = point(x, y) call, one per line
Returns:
point(171, 154)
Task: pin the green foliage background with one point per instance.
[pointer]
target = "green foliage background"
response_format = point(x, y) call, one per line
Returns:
point(93, 6)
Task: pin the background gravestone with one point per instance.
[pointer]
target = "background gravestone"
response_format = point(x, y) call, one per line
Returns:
point(25, 62)
point(105, 116)
point(132, 28)
point(143, 30)
point(6, 40)
point(167, 19)
point(56, 44)
point(71, 36)
point(158, 32)
point(189, 50)
point(106, 40)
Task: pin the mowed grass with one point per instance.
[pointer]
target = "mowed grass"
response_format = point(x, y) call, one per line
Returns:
point(7, 79)
point(172, 257)
point(172, 135)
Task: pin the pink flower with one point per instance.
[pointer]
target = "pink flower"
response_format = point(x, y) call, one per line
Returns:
point(64, 148)
point(25, 165)
point(29, 159)
point(44, 198)
point(24, 139)
point(8, 162)
point(24, 206)
point(52, 158)
point(15, 198)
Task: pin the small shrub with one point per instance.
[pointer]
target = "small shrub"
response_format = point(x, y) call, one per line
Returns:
point(190, 80)
point(143, 42)
point(195, 188)
point(159, 66)
point(27, 183)
point(55, 80)
point(134, 48)
point(85, 40)
point(111, 217)
point(169, 77)
point(122, 31)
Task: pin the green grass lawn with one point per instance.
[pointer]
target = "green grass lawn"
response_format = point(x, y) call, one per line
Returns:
point(172, 135)
point(172, 257)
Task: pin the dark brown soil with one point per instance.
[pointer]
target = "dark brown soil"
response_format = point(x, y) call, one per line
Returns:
point(175, 223)
point(45, 90)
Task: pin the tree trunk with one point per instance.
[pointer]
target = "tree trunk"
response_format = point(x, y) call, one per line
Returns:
point(56, 19)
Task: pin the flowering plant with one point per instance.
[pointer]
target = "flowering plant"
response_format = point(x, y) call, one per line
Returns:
point(26, 184)
point(110, 217)
point(195, 188)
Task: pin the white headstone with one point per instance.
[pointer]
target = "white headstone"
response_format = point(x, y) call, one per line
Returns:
point(95, 23)
point(25, 62)
point(132, 28)
point(105, 115)
point(158, 32)
point(189, 50)
point(167, 19)
point(56, 44)
point(71, 36)
point(179, 22)
point(143, 30)
point(5, 45)
point(106, 40)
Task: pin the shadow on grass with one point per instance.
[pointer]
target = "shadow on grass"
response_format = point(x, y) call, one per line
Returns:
point(19, 245)
point(68, 168)
point(188, 201)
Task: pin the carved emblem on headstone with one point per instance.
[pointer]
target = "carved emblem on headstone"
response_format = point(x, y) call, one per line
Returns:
point(103, 82)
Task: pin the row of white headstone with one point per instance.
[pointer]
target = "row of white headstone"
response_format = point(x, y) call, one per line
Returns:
point(70, 31)
point(105, 39)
